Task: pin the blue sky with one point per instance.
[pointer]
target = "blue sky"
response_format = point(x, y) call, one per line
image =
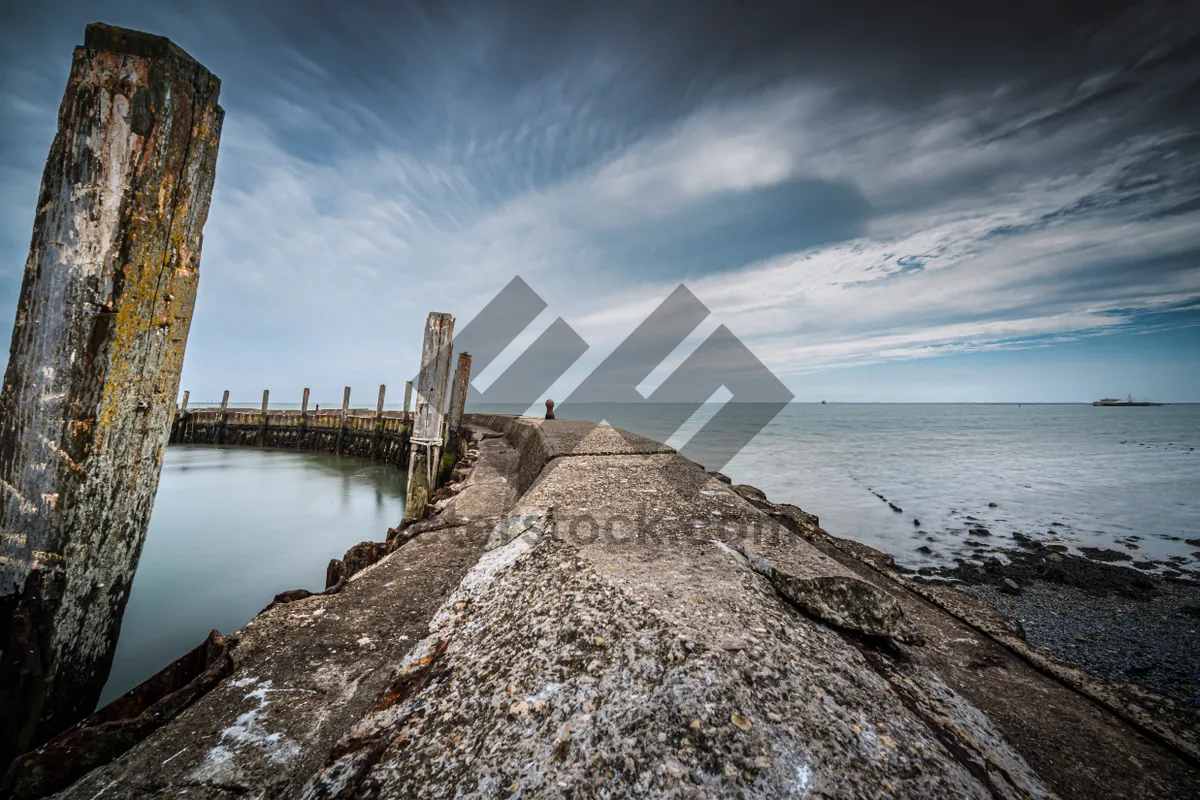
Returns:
point(884, 203)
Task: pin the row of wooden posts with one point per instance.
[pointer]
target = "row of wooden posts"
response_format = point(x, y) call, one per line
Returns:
point(265, 418)
point(435, 435)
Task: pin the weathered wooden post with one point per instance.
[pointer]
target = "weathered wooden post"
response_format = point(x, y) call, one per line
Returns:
point(458, 402)
point(377, 439)
point(179, 430)
point(302, 434)
point(426, 438)
point(407, 399)
point(341, 434)
point(219, 428)
point(262, 420)
point(90, 388)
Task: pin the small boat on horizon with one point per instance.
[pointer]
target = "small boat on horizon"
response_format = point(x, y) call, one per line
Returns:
point(1109, 401)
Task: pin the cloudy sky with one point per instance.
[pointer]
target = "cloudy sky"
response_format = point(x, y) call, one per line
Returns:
point(883, 201)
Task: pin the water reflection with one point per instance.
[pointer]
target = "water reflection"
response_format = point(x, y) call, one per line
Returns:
point(233, 527)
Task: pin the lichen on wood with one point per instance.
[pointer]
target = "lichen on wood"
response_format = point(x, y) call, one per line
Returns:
point(93, 373)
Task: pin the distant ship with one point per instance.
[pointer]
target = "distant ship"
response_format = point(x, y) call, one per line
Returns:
point(1108, 401)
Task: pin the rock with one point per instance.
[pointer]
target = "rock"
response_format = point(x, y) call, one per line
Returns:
point(361, 556)
point(720, 476)
point(924, 549)
point(1192, 542)
point(334, 572)
point(840, 600)
point(751, 493)
point(979, 530)
point(1009, 586)
point(1054, 557)
point(895, 508)
point(792, 517)
point(1104, 554)
point(993, 505)
point(916, 522)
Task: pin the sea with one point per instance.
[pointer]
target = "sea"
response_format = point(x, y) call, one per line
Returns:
point(1120, 478)
point(233, 527)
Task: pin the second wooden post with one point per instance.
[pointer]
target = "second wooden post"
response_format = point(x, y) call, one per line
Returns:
point(426, 440)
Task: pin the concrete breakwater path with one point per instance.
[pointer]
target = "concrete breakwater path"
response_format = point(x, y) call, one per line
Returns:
point(586, 612)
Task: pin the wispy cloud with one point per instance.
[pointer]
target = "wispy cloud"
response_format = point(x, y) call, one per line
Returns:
point(837, 195)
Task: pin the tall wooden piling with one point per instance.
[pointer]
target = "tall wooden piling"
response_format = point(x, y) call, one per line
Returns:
point(89, 392)
point(377, 438)
point(183, 418)
point(219, 428)
point(262, 419)
point(302, 434)
point(458, 402)
point(407, 399)
point(426, 438)
point(341, 434)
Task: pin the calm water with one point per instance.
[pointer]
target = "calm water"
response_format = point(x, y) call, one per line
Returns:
point(231, 528)
point(1104, 474)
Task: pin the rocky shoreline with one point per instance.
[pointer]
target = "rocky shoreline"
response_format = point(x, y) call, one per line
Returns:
point(1118, 621)
point(1114, 613)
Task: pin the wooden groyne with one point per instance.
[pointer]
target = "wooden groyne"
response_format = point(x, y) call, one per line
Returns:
point(374, 434)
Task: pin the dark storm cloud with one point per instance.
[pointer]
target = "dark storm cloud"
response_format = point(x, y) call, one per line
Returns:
point(924, 172)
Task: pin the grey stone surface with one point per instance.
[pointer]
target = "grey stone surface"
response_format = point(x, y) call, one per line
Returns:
point(568, 669)
point(539, 442)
